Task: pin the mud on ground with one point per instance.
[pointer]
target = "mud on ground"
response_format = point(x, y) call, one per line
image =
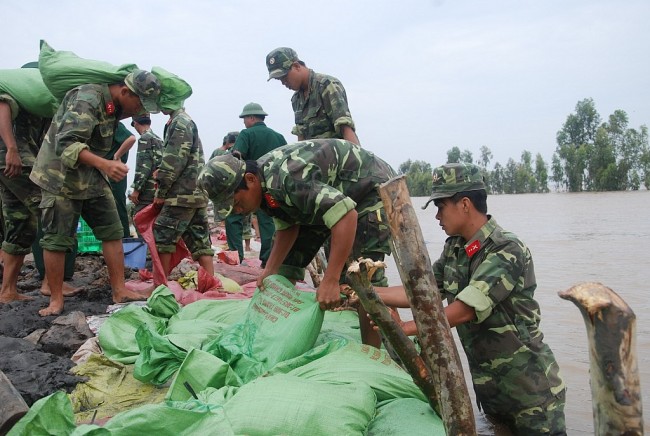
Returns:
point(38, 366)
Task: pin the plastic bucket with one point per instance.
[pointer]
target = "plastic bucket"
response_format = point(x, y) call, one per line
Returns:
point(135, 252)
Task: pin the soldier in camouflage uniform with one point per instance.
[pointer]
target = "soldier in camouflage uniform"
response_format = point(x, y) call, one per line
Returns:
point(21, 134)
point(320, 104)
point(147, 161)
point(311, 189)
point(184, 205)
point(488, 278)
point(73, 173)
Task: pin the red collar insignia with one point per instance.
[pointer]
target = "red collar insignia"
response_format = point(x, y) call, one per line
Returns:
point(271, 202)
point(472, 248)
point(110, 108)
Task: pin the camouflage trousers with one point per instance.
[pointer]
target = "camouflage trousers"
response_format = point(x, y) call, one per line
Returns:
point(546, 419)
point(372, 240)
point(191, 224)
point(60, 216)
point(20, 200)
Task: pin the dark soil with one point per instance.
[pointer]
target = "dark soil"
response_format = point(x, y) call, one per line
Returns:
point(40, 367)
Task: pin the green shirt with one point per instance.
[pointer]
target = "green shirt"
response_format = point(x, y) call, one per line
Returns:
point(512, 368)
point(147, 160)
point(28, 129)
point(257, 140)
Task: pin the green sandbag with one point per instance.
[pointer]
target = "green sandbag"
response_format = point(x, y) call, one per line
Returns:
point(158, 359)
point(51, 415)
point(201, 370)
point(117, 334)
point(282, 322)
point(288, 405)
point(342, 324)
point(355, 363)
point(110, 389)
point(64, 70)
point(173, 90)
point(26, 86)
point(222, 311)
point(162, 303)
point(407, 417)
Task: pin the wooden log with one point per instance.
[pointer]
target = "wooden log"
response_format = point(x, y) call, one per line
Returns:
point(611, 331)
point(438, 346)
point(358, 276)
point(12, 405)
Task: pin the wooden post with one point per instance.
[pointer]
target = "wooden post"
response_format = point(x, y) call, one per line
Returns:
point(359, 274)
point(438, 346)
point(611, 331)
point(12, 405)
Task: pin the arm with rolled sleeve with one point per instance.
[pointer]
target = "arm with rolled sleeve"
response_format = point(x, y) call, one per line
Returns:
point(335, 103)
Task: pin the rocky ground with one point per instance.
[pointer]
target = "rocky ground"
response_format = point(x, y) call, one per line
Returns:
point(35, 351)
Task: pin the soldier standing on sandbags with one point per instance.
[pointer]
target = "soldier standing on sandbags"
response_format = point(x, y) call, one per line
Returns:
point(71, 170)
point(312, 190)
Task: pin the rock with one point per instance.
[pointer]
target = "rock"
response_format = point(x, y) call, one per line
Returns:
point(66, 335)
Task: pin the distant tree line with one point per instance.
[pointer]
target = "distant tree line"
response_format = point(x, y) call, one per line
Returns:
point(591, 155)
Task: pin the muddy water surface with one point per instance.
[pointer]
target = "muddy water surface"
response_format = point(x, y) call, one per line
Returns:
point(574, 238)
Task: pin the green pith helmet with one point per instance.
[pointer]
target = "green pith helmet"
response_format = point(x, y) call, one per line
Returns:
point(252, 109)
point(453, 178)
point(146, 86)
point(219, 178)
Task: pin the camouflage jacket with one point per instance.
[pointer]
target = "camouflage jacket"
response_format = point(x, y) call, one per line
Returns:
point(325, 109)
point(147, 160)
point(318, 182)
point(512, 368)
point(256, 141)
point(182, 158)
point(28, 132)
point(85, 120)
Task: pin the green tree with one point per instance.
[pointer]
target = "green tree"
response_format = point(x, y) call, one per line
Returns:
point(486, 157)
point(467, 157)
point(541, 174)
point(453, 155)
point(418, 177)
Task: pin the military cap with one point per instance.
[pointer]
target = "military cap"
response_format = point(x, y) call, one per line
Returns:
point(219, 178)
point(141, 119)
point(279, 62)
point(453, 178)
point(146, 86)
point(252, 109)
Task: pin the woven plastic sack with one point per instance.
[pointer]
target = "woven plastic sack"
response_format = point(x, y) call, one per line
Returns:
point(282, 322)
point(353, 363)
point(26, 86)
point(49, 415)
point(407, 417)
point(64, 70)
point(289, 405)
point(173, 90)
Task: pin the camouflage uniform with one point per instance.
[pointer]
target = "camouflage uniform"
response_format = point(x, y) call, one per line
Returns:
point(20, 196)
point(147, 160)
point(184, 213)
point(85, 120)
point(253, 143)
point(324, 110)
point(515, 374)
point(313, 184)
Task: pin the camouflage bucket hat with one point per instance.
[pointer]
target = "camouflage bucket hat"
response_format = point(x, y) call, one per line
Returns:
point(279, 62)
point(146, 86)
point(453, 178)
point(219, 178)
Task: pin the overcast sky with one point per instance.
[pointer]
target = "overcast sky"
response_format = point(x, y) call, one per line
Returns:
point(421, 76)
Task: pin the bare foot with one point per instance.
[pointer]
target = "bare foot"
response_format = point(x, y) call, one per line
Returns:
point(125, 296)
point(14, 297)
point(52, 309)
point(68, 291)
